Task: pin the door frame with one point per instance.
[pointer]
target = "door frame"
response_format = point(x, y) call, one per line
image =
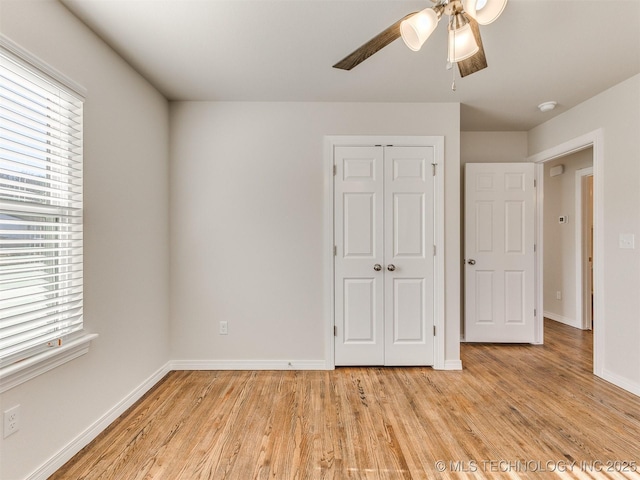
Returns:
point(332, 141)
point(595, 140)
point(583, 318)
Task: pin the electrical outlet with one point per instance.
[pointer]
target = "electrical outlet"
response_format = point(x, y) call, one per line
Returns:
point(558, 295)
point(224, 328)
point(11, 421)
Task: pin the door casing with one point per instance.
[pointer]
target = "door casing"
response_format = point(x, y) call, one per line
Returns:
point(439, 321)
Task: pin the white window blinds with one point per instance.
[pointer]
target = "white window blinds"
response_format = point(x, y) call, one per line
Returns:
point(40, 211)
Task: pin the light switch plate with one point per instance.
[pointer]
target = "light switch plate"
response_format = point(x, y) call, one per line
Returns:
point(627, 240)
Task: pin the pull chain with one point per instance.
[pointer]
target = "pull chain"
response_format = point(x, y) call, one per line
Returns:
point(452, 50)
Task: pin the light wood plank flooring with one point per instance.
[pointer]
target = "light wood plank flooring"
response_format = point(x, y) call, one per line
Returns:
point(513, 412)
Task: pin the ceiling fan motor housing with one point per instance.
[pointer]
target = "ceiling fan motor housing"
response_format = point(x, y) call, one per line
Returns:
point(453, 7)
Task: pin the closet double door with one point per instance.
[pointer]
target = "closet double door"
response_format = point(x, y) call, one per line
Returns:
point(384, 255)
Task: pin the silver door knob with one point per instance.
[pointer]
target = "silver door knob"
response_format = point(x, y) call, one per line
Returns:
point(471, 261)
point(377, 267)
point(391, 267)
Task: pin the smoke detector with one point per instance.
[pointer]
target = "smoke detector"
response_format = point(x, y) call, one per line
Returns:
point(547, 106)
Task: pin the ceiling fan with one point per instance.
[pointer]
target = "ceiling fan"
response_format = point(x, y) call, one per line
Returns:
point(464, 44)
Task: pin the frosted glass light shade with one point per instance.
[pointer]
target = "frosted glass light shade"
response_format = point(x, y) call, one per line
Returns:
point(484, 11)
point(416, 29)
point(462, 43)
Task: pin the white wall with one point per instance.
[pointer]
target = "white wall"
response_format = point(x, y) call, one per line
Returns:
point(560, 239)
point(126, 239)
point(493, 147)
point(247, 198)
point(617, 112)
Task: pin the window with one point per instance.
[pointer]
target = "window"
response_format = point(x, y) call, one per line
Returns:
point(41, 264)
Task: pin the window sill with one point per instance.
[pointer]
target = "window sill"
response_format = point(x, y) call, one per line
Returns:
point(13, 375)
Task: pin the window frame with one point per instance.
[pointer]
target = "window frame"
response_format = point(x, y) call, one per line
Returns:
point(34, 363)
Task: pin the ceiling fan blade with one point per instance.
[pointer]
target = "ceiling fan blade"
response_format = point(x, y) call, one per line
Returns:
point(377, 43)
point(479, 60)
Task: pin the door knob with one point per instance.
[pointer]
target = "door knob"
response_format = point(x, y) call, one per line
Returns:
point(471, 261)
point(391, 267)
point(377, 267)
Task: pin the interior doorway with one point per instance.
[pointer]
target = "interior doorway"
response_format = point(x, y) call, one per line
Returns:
point(567, 254)
point(594, 143)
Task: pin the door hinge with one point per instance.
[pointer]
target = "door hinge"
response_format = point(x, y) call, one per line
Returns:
point(434, 330)
point(535, 312)
point(434, 165)
point(335, 250)
point(434, 250)
point(335, 170)
point(335, 331)
point(535, 183)
point(534, 247)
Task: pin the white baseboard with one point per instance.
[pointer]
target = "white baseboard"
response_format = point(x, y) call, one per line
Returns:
point(248, 365)
point(621, 382)
point(453, 365)
point(77, 444)
point(559, 318)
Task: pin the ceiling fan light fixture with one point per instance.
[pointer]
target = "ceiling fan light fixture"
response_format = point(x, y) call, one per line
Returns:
point(465, 46)
point(462, 43)
point(416, 29)
point(484, 11)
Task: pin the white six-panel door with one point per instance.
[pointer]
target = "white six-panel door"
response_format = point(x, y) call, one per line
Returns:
point(499, 252)
point(384, 262)
point(359, 237)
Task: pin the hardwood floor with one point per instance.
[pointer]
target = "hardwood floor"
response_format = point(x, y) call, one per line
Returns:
point(513, 412)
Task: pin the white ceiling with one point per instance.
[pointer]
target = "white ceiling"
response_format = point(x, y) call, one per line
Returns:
point(283, 50)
